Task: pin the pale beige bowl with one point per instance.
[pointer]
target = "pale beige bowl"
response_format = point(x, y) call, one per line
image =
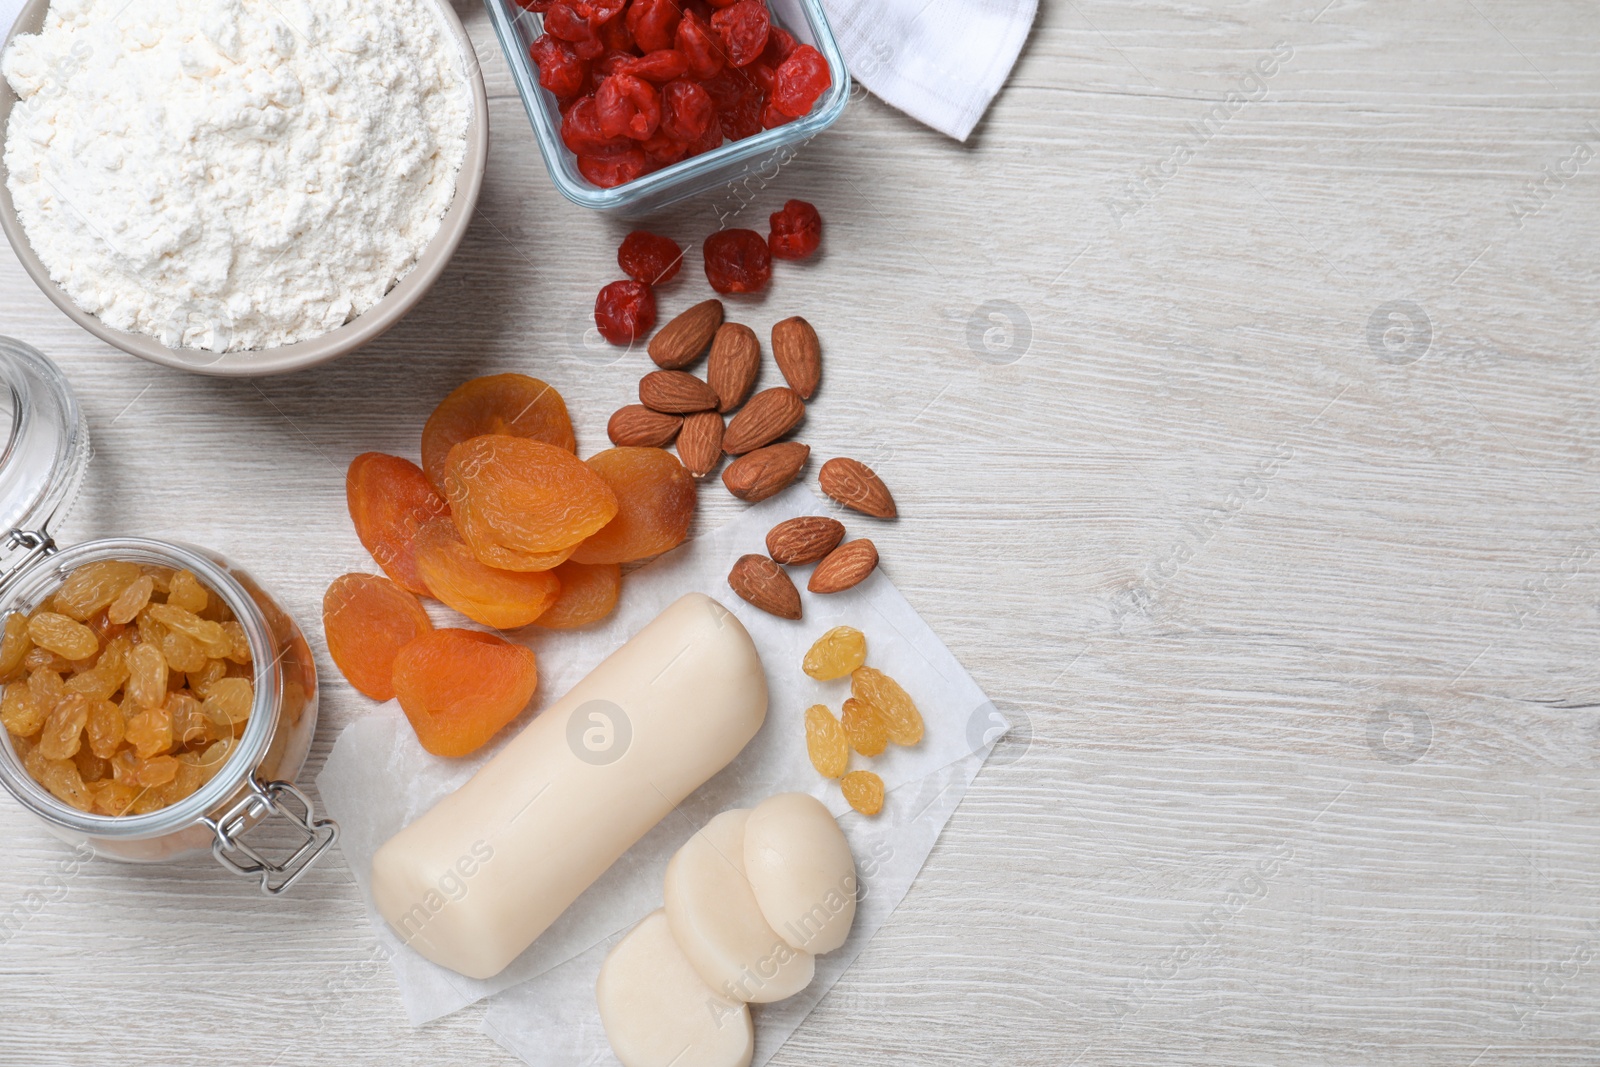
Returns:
point(347, 338)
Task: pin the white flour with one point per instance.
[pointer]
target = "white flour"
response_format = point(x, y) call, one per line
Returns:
point(234, 174)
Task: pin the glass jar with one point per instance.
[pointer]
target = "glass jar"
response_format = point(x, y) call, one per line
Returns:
point(40, 465)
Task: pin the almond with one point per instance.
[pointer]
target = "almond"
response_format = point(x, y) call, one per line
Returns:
point(799, 355)
point(844, 567)
point(804, 539)
point(852, 483)
point(700, 442)
point(675, 392)
point(766, 585)
point(766, 417)
point(757, 475)
point(680, 342)
point(734, 364)
point(638, 425)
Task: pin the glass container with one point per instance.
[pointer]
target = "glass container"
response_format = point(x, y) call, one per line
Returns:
point(46, 448)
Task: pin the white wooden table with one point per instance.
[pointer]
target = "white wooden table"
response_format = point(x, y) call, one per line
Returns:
point(1248, 450)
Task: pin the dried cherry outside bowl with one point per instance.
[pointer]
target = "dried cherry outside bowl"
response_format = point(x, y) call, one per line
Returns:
point(44, 446)
point(347, 338)
point(757, 158)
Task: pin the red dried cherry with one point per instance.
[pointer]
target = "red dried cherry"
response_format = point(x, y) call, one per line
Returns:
point(627, 107)
point(737, 261)
point(560, 69)
point(796, 230)
point(743, 28)
point(800, 80)
point(700, 46)
point(653, 23)
point(624, 312)
point(780, 42)
point(563, 22)
point(617, 37)
point(538, 7)
point(648, 257)
point(599, 11)
point(664, 151)
point(580, 131)
point(660, 66)
point(709, 140)
point(614, 168)
point(771, 116)
point(687, 111)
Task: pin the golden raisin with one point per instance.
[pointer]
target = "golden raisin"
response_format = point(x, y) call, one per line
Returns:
point(147, 676)
point(238, 642)
point(62, 635)
point(230, 699)
point(900, 714)
point(150, 732)
point(132, 600)
point(156, 772)
point(113, 797)
point(836, 653)
point(105, 728)
point(188, 593)
point(93, 586)
point(61, 777)
point(91, 768)
point(864, 791)
point(826, 742)
point(14, 645)
point(868, 733)
point(62, 732)
point(20, 711)
point(210, 636)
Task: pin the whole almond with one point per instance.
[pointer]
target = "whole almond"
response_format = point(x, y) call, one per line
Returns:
point(764, 418)
point(804, 539)
point(680, 342)
point(799, 355)
point(757, 475)
point(734, 364)
point(700, 442)
point(638, 425)
point(766, 585)
point(844, 567)
point(852, 483)
point(675, 392)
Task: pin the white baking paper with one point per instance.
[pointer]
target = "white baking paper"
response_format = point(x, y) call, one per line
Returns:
point(377, 778)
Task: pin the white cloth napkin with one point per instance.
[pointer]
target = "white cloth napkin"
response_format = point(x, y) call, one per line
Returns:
point(939, 61)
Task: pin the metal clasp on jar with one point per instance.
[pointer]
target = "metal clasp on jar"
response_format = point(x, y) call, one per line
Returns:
point(263, 800)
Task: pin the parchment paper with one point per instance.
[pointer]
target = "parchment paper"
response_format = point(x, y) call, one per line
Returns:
point(377, 778)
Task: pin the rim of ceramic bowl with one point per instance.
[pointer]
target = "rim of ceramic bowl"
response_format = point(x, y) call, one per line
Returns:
point(366, 327)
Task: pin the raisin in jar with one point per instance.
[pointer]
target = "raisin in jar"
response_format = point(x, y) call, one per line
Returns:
point(44, 447)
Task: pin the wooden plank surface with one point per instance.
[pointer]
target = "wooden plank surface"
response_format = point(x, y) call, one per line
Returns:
point(1247, 448)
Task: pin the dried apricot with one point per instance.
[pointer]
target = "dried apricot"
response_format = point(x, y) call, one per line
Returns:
point(868, 733)
point(509, 405)
point(900, 714)
point(459, 687)
point(588, 594)
point(826, 742)
point(836, 653)
point(655, 496)
point(864, 791)
point(502, 599)
point(367, 620)
point(389, 498)
point(523, 496)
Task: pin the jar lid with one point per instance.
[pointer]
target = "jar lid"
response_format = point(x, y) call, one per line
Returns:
point(44, 442)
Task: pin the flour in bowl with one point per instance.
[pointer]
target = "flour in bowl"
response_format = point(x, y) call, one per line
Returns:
point(234, 174)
